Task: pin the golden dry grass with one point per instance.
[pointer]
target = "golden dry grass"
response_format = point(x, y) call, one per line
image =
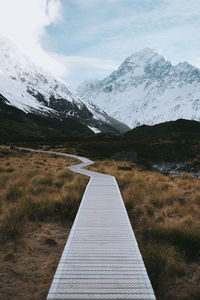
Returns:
point(165, 215)
point(39, 199)
point(38, 202)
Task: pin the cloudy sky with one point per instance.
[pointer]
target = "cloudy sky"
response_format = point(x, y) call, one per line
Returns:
point(84, 39)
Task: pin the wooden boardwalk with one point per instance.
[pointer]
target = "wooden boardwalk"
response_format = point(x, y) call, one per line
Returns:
point(101, 259)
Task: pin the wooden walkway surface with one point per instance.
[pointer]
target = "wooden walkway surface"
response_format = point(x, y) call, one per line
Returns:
point(101, 259)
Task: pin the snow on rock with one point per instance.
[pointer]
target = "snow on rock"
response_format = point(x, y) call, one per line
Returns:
point(94, 129)
point(31, 89)
point(147, 89)
point(31, 79)
point(17, 94)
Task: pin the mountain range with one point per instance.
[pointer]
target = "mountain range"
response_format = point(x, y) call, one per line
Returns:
point(147, 89)
point(33, 91)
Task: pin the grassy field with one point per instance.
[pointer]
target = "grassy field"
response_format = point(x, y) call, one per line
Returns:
point(38, 202)
point(165, 215)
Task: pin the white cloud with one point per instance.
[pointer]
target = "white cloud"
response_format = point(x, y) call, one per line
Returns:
point(24, 22)
point(114, 30)
point(170, 25)
point(83, 68)
point(93, 3)
point(54, 10)
point(95, 63)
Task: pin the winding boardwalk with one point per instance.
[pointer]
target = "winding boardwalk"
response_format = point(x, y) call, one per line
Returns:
point(101, 259)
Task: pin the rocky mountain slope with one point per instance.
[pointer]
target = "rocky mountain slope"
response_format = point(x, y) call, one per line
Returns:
point(33, 90)
point(147, 89)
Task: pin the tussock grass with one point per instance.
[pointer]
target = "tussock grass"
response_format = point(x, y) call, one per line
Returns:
point(44, 180)
point(2, 169)
point(13, 192)
point(39, 200)
point(65, 175)
point(164, 212)
point(38, 191)
point(185, 237)
point(12, 226)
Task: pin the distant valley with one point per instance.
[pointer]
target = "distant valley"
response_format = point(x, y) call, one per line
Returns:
point(38, 109)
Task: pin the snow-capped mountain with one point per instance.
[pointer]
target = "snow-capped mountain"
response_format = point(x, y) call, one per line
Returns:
point(33, 90)
point(147, 89)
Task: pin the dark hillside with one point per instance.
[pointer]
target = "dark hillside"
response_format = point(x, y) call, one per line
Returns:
point(170, 141)
point(172, 130)
point(175, 140)
point(15, 125)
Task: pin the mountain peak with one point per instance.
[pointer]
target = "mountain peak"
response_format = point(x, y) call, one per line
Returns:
point(31, 89)
point(145, 51)
point(185, 66)
point(12, 60)
point(144, 63)
point(146, 55)
point(6, 42)
point(148, 89)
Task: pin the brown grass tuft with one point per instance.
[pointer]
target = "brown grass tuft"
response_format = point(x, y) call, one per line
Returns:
point(39, 199)
point(164, 212)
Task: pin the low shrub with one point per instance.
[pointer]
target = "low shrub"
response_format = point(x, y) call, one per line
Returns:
point(45, 180)
point(186, 238)
point(13, 225)
point(13, 192)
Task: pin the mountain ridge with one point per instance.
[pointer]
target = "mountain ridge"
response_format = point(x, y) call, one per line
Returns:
point(33, 90)
point(147, 89)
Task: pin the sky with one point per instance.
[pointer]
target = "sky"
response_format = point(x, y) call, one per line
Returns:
point(79, 40)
